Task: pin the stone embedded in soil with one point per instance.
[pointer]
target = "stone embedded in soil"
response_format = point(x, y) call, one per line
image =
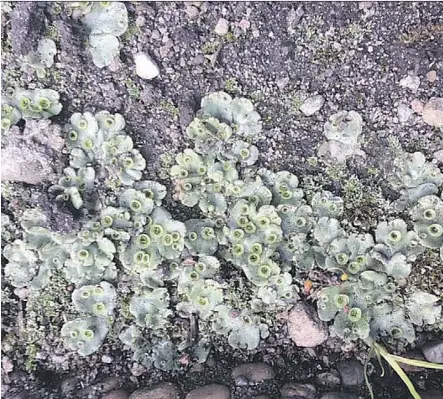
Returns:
point(438, 155)
point(410, 82)
point(253, 373)
point(431, 76)
point(294, 390)
point(433, 112)
point(192, 11)
point(213, 391)
point(433, 351)
point(165, 390)
point(68, 385)
point(118, 394)
point(304, 326)
point(404, 113)
point(101, 387)
point(282, 82)
point(145, 66)
point(417, 106)
point(222, 27)
point(32, 156)
point(329, 379)
point(312, 105)
point(351, 373)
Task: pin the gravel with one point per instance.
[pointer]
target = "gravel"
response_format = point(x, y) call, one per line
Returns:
point(278, 54)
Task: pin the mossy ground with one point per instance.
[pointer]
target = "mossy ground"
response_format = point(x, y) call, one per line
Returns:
point(353, 54)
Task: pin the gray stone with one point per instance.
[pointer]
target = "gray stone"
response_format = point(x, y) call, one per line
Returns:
point(253, 372)
point(417, 106)
point(295, 390)
point(433, 112)
point(438, 155)
point(69, 385)
point(192, 11)
point(32, 156)
point(213, 391)
point(222, 27)
point(304, 326)
point(338, 395)
point(433, 351)
point(404, 113)
point(329, 379)
point(431, 76)
point(351, 373)
point(165, 390)
point(410, 82)
point(145, 66)
point(282, 83)
point(118, 394)
point(312, 105)
point(101, 387)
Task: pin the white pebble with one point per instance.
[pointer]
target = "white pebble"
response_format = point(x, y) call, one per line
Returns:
point(145, 66)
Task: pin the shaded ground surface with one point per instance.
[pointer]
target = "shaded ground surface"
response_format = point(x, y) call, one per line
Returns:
point(277, 55)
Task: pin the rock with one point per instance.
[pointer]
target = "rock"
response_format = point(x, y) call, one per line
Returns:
point(282, 83)
point(293, 18)
point(351, 373)
point(410, 82)
point(294, 390)
point(433, 351)
point(338, 395)
point(261, 397)
point(438, 155)
point(417, 106)
point(192, 11)
point(312, 105)
point(145, 66)
point(222, 27)
point(140, 21)
point(27, 26)
point(68, 385)
point(253, 372)
point(304, 326)
point(165, 390)
point(212, 391)
point(329, 379)
point(118, 394)
point(244, 25)
point(34, 155)
point(101, 387)
point(433, 112)
point(431, 76)
point(404, 113)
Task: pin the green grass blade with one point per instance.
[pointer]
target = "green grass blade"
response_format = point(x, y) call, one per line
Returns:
point(365, 369)
point(393, 363)
point(417, 363)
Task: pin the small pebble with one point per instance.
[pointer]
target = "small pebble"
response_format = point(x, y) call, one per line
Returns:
point(431, 76)
point(107, 359)
point(410, 82)
point(145, 66)
point(222, 27)
point(417, 106)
